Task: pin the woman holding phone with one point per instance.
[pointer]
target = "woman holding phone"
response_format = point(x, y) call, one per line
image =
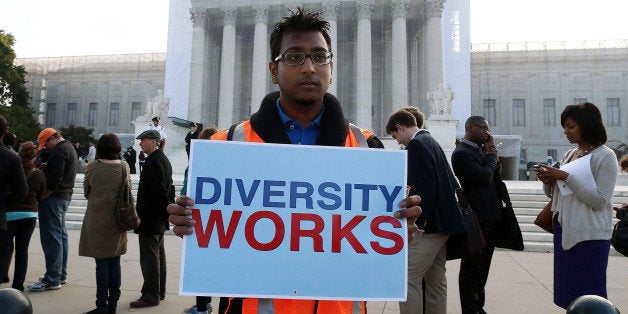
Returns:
point(582, 210)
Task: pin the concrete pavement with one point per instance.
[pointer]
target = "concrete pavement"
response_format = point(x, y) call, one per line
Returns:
point(519, 282)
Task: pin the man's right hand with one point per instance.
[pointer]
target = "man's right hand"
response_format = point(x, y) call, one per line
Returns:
point(179, 216)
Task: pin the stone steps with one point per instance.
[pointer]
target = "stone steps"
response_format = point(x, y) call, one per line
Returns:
point(527, 201)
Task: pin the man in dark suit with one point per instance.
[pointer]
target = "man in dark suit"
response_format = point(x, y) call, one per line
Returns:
point(430, 177)
point(155, 191)
point(476, 165)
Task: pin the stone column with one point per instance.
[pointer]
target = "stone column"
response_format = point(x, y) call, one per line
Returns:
point(227, 68)
point(399, 55)
point(260, 57)
point(364, 81)
point(433, 44)
point(197, 64)
point(330, 14)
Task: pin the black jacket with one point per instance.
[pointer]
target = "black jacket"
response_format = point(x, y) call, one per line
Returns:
point(154, 193)
point(429, 176)
point(189, 137)
point(476, 173)
point(333, 130)
point(129, 156)
point(60, 170)
point(13, 186)
point(622, 214)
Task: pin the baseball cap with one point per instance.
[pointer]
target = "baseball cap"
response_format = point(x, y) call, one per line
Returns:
point(152, 134)
point(44, 135)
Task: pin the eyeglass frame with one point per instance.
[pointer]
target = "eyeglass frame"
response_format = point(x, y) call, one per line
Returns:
point(282, 56)
point(483, 127)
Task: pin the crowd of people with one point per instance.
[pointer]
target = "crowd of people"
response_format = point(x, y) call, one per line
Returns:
point(39, 187)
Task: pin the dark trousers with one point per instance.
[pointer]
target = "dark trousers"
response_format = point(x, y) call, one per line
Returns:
point(473, 275)
point(153, 264)
point(201, 303)
point(21, 230)
point(108, 280)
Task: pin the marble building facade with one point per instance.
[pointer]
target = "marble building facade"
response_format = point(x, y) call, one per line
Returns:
point(520, 91)
point(522, 88)
point(105, 93)
point(380, 51)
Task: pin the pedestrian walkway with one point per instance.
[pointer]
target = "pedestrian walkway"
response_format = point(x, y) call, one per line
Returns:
point(519, 282)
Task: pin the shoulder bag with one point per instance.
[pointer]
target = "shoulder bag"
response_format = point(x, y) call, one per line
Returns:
point(126, 215)
point(473, 242)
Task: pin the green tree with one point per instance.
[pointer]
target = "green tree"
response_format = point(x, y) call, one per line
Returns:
point(78, 134)
point(14, 96)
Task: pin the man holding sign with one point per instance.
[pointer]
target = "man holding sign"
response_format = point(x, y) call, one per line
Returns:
point(301, 113)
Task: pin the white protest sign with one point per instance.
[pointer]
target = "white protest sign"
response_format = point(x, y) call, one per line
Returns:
point(292, 221)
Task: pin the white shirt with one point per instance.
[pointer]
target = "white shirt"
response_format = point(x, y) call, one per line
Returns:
point(160, 129)
point(91, 155)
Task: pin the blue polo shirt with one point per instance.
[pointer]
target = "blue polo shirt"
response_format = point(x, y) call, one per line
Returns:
point(298, 135)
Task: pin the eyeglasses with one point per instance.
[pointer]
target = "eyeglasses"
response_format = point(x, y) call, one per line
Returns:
point(298, 58)
point(483, 127)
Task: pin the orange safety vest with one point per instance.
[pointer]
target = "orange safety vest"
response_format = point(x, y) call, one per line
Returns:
point(355, 138)
point(243, 132)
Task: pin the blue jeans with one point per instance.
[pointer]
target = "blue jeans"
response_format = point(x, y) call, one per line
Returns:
point(54, 238)
point(21, 230)
point(107, 283)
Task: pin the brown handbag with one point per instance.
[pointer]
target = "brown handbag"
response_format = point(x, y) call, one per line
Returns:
point(544, 219)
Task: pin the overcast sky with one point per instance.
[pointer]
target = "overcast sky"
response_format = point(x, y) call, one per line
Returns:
point(44, 28)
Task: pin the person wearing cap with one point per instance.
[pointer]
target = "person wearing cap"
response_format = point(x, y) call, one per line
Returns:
point(13, 187)
point(154, 193)
point(193, 134)
point(60, 173)
point(162, 132)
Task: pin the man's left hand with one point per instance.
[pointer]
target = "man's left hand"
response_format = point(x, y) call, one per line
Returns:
point(411, 211)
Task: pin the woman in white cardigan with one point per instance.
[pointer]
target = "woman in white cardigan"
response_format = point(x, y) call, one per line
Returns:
point(582, 201)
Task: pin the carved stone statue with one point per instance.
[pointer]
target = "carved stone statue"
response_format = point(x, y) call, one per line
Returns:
point(158, 105)
point(441, 100)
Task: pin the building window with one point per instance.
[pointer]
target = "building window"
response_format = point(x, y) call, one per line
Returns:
point(135, 110)
point(579, 100)
point(92, 114)
point(489, 111)
point(114, 113)
point(72, 114)
point(552, 153)
point(612, 112)
point(518, 112)
point(549, 112)
point(523, 156)
point(51, 111)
